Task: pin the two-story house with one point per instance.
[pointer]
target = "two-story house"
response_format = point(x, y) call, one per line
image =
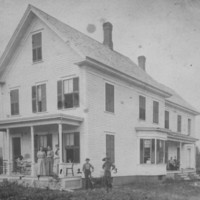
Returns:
point(59, 86)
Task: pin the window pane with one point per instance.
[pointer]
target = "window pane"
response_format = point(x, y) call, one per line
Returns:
point(37, 40)
point(14, 101)
point(59, 95)
point(66, 86)
point(39, 53)
point(153, 151)
point(142, 107)
point(109, 98)
point(68, 100)
point(77, 155)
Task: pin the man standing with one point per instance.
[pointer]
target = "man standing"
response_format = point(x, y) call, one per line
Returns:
point(87, 169)
point(108, 166)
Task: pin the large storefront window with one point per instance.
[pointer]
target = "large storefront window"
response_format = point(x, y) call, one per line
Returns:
point(147, 151)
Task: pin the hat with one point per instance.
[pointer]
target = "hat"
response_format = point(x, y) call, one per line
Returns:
point(106, 158)
point(87, 159)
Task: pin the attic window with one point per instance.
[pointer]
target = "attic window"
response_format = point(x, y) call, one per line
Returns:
point(37, 47)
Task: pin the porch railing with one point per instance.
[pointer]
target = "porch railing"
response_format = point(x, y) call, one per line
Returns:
point(23, 168)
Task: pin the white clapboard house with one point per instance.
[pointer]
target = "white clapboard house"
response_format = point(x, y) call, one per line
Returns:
point(59, 86)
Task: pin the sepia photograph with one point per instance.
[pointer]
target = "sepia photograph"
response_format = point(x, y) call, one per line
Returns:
point(99, 99)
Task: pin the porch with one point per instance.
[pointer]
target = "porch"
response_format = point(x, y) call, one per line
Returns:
point(24, 136)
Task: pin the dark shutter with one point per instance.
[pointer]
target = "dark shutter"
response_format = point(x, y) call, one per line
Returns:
point(14, 101)
point(59, 95)
point(34, 99)
point(155, 112)
point(142, 107)
point(43, 88)
point(141, 151)
point(109, 97)
point(76, 92)
point(77, 147)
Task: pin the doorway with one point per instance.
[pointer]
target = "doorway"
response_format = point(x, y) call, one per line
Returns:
point(16, 150)
point(188, 158)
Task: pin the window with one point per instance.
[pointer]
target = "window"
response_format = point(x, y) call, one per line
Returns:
point(110, 147)
point(160, 151)
point(167, 119)
point(189, 126)
point(71, 143)
point(14, 101)
point(155, 112)
point(39, 98)
point(147, 151)
point(37, 47)
point(109, 92)
point(179, 123)
point(142, 107)
point(68, 93)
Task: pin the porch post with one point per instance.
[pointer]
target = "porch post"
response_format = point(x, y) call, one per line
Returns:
point(60, 142)
point(32, 152)
point(8, 151)
point(155, 151)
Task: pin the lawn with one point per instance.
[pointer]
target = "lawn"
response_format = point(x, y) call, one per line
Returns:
point(139, 191)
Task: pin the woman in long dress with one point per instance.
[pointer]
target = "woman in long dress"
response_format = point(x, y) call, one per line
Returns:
point(49, 162)
point(41, 156)
point(56, 160)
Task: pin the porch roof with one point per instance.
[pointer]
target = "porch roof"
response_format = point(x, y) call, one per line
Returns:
point(41, 120)
point(172, 136)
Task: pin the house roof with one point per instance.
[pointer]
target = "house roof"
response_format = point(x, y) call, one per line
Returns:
point(89, 48)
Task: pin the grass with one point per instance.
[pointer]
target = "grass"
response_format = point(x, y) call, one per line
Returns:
point(139, 191)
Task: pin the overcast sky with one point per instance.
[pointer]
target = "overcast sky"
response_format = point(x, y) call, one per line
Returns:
point(167, 32)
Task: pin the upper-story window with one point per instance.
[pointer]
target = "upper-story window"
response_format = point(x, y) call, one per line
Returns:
point(39, 98)
point(109, 97)
point(68, 93)
point(14, 101)
point(37, 47)
point(166, 119)
point(189, 126)
point(155, 112)
point(179, 123)
point(142, 108)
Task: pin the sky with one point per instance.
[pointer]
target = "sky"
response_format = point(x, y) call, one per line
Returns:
point(167, 32)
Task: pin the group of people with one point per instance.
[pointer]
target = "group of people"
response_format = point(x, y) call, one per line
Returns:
point(48, 162)
point(173, 164)
point(107, 166)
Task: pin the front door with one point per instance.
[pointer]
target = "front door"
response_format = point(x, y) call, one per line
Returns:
point(16, 150)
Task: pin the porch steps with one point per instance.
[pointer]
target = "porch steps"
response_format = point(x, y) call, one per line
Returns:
point(184, 177)
point(194, 176)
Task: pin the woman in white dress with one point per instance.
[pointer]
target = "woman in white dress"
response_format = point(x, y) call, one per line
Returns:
point(41, 156)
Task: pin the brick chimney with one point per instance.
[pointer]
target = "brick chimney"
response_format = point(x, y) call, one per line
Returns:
point(141, 62)
point(107, 28)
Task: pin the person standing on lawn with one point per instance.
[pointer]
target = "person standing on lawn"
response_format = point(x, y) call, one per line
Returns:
point(108, 166)
point(87, 169)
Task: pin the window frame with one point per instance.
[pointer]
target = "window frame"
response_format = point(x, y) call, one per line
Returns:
point(14, 104)
point(75, 148)
point(37, 48)
point(109, 100)
point(61, 102)
point(39, 105)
